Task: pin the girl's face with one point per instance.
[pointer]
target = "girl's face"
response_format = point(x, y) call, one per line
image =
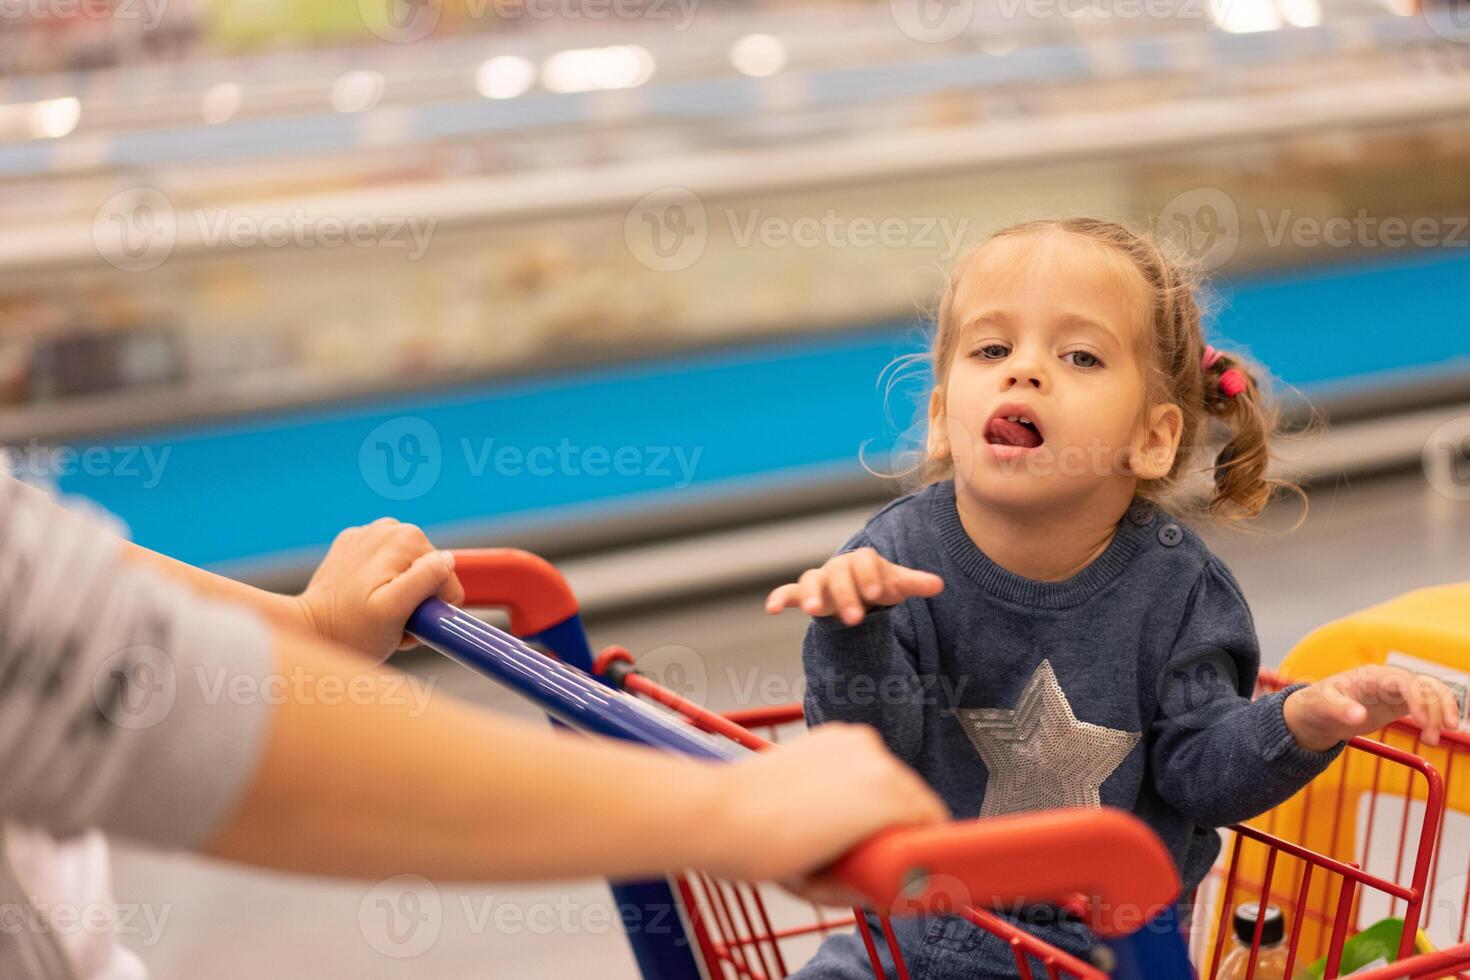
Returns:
point(1043, 404)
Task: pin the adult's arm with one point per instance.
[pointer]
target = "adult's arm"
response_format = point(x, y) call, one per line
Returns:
point(130, 703)
point(369, 788)
point(362, 593)
point(274, 607)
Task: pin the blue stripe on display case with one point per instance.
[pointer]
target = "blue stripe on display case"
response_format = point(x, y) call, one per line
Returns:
point(753, 418)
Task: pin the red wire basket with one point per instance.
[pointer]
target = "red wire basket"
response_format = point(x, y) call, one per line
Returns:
point(1313, 857)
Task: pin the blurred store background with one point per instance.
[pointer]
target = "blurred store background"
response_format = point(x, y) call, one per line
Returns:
point(297, 245)
point(625, 280)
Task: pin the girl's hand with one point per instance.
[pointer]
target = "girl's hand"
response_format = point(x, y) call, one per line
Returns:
point(789, 812)
point(1363, 700)
point(850, 584)
point(371, 580)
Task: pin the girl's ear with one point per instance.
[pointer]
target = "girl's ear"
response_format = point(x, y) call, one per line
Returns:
point(937, 445)
point(1157, 443)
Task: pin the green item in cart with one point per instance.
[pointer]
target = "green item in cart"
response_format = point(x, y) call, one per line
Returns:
point(1378, 942)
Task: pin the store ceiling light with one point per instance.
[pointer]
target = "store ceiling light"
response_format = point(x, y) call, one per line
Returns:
point(1301, 13)
point(54, 118)
point(1245, 16)
point(758, 55)
point(357, 91)
point(593, 69)
point(221, 103)
point(504, 77)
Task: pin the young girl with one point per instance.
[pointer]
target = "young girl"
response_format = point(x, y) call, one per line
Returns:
point(1032, 629)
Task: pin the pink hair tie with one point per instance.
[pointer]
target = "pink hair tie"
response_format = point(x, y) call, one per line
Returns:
point(1232, 382)
point(1211, 356)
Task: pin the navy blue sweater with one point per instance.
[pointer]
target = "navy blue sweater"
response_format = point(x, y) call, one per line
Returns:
point(1128, 685)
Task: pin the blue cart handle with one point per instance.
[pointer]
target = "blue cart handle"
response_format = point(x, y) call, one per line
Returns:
point(567, 694)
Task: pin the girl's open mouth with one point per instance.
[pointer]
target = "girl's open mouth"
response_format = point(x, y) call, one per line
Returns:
point(1007, 428)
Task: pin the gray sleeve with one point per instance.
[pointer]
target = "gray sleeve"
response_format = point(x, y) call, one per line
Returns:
point(865, 674)
point(1217, 756)
point(127, 702)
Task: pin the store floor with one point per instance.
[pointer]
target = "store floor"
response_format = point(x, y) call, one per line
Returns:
point(1363, 541)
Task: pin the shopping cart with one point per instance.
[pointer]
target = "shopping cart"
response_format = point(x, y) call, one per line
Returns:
point(1102, 866)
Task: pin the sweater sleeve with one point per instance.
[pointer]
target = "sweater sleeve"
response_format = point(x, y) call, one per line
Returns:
point(1215, 755)
point(866, 674)
point(127, 703)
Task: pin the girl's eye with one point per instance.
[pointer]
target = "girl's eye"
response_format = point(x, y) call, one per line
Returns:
point(1083, 359)
point(992, 352)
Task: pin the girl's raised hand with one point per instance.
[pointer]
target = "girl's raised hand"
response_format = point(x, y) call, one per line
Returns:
point(1362, 700)
point(850, 584)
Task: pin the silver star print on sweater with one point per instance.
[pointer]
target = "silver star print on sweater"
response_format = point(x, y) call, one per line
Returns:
point(1039, 755)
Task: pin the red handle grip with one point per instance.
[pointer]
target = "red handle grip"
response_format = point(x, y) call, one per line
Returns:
point(526, 585)
point(1109, 856)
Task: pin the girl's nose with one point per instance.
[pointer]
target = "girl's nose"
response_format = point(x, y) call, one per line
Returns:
point(1025, 373)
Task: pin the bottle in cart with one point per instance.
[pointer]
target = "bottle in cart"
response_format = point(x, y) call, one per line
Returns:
point(1270, 958)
